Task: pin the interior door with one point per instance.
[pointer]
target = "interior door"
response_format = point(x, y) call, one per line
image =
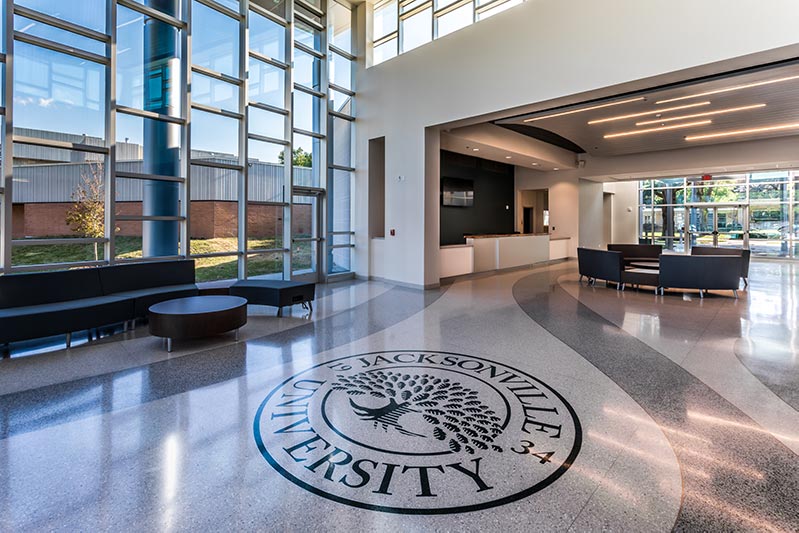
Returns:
point(306, 245)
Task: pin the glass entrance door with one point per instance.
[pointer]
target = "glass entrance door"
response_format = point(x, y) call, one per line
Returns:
point(718, 225)
point(305, 241)
point(730, 223)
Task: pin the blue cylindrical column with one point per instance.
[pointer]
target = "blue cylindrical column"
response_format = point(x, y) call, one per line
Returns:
point(161, 139)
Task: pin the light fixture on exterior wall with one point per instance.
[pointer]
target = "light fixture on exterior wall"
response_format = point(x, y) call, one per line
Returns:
point(662, 128)
point(600, 106)
point(654, 112)
point(698, 115)
point(781, 127)
point(728, 89)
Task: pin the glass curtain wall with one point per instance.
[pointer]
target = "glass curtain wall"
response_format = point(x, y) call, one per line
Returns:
point(341, 65)
point(402, 25)
point(722, 209)
point(162, 129)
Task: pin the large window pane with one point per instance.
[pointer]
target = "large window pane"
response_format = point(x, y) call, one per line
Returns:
point(454, 20)
point(498, 9)
point(341, 138)
point(88, 13)
point(230, 4)
point(720, 193)
point(39, 29)
point(769, 191)
point(307, 112)
point(265, 266)
point(267, 84)
point(54, 92)
point(161, 69)
point(417, 30)
point(267, 123)
point(385, 51)
point(214, 136)
point(340, 26)
point(214, 92)
point(214, 210)
point(266, 173)
point(266, 153)
point(769, 230)
point(267, 37)
point(148, 146)
point(339, 220)
point(307, 151)
point(341, 102)
point(385, 19)
point(307, 70)
point(59, 194)
point(278, 7)
point(215, 40)
point(340, 71)
point(308, 35)
point(264, 222)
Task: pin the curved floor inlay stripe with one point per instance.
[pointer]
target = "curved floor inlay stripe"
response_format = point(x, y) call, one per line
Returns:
point(773, 364)
point(56, 404)
point(735, 475)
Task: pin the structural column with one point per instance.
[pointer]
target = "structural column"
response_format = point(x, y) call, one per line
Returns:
point(161, 138)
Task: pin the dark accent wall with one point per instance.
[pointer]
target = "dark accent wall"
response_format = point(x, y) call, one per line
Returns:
point(493, 190)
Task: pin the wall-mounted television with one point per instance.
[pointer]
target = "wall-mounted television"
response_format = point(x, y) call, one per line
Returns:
point(456, 192)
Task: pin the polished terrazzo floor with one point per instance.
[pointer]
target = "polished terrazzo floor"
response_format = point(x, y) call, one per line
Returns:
point(524, 401)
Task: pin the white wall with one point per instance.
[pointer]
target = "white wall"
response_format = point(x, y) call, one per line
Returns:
point(591, 218)
point(564, 202)
point(536, 52)
point(624, 219)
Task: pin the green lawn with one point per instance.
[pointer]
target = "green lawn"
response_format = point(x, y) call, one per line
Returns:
point(208, 268)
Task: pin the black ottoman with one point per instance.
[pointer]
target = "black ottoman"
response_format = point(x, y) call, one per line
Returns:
point(277, 293)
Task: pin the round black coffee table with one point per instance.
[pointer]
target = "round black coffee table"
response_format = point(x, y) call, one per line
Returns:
point(196, 317)
point(646, 265)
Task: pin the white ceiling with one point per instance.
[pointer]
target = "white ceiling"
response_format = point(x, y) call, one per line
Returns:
point(781, 108)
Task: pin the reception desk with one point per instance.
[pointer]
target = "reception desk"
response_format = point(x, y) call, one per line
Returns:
point(483, 253)
point(496, 252)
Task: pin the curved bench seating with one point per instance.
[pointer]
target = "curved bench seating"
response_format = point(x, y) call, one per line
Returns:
point(41, 304)
point(743, 253)
point(675, 271)
point(701, 272)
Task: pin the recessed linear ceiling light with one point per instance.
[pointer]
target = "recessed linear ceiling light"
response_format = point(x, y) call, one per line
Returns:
point(655, 112)
point(535, 164)
point(697, 115)
point(728, 89)
point(556, 168)
point(508, 157)
point(475, 149)
point(600, 106)
point(742, 132)
point(663, 128)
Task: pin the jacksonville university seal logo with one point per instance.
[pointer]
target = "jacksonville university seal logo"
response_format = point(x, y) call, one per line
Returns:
point(417, 432)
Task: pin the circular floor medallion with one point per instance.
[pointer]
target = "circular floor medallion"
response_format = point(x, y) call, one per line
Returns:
point(417, 432)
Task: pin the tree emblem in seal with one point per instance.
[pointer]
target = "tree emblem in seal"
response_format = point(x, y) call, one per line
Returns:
point(454, 412)
point(417, 432)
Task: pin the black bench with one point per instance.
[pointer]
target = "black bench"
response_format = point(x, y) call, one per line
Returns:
point(42, 304)
point(700, 272)
point(744, 253)
point(277, 293)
